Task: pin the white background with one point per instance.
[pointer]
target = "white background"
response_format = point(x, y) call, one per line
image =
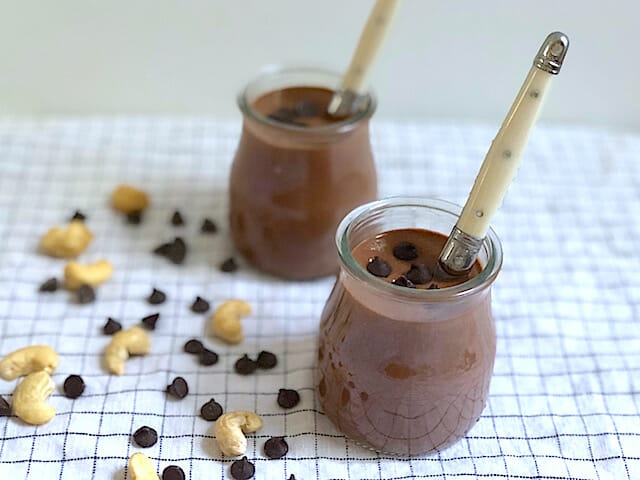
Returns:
point(452, 60)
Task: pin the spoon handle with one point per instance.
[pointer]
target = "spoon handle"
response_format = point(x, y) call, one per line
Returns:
point(503, 158)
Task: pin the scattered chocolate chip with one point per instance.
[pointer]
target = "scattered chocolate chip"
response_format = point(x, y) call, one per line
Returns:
point(5, 408)
point(157, 297)
point(85, 294)
point(267, 360)
point(173, 472)
point(419, 274)
point(211, 411)
point(176, 219)
point(134, 218)
point(242, 469)
point(288, 398)
point(434, 286)
point(199, 305)
point(208, 226)
point(283, 114)
point(173, 251)
point(78, 215)
point(245, 366)
point(306, 108)
point(112, 326)
point(73, 386)
point(276, 447)
point(208, 357)
point(292, 477)
point(150, 321)
point(378, 267)
point(145, 437)
point(405, 251)
point(49, 285)
point(403, 281)
point(178, 388)
point(229, 265)
point(193, 346)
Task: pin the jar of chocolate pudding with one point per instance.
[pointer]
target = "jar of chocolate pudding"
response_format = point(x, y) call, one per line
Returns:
point(297, 172)
point(406, 354)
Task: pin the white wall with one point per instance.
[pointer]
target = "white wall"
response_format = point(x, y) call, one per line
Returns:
point(444, 59)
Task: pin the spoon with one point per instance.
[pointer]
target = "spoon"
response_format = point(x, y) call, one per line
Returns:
point(347, 99)
point(502, 160)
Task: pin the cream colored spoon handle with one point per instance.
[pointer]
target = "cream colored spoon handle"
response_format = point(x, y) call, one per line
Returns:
point(503, 158)
point(371, 39)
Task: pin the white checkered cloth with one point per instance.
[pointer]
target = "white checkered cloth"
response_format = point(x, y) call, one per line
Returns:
point(564, 399)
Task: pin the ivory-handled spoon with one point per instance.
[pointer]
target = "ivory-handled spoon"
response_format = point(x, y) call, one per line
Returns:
point(503, 159)
point(346, 99)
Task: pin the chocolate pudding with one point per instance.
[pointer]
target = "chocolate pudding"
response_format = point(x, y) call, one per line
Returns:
point(296, 173)
point(405, 369)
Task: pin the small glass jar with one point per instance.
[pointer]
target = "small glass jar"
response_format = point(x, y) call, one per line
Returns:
point(405, 371)
point(291, 185)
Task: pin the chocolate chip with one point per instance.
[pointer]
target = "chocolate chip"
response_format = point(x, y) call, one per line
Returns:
point(403, 281)
point(245, 366)
point(157, 297)
point(199, 305)
point(288, 398)
point(173, 251)
point(276, 447)
point(112, 326)
point(405, 251)
point(208, 226)
point(267, 360)
point(178, 388)
point(283, 114)
point(208, 357)
point(150, 321)
point(78, 215)
point(49, 285)
point(306, 108)
point(163, 249)
point(173, 472)
point(211, 411)
point(5, 408)
point(434, 286)
point(242, 469)
point(176, 219)
point(419, 274)
point(378, 267)
point(134, 218)
point(85, 294)
point(73, 386)
point(229, 265)
point(292, 477)
point(145, 437)
point(193, 346)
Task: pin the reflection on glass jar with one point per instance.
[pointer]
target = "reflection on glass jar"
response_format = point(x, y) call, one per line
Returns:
point(400, 370)
point(297, 173)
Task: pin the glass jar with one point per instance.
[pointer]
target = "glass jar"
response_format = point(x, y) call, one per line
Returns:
point(405, 371)
point(291, 185)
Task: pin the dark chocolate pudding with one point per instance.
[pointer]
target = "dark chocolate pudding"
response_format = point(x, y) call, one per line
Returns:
point(403, 371)
point(296, 173)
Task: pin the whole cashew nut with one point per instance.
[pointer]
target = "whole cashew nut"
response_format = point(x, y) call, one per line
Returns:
point(29, 398)
point(28, 360)
point(128, 199)
point(78, 274)
point(230, 430)
point(67, 242)
point(133, 341)
point(142, 468)
point(225, 321)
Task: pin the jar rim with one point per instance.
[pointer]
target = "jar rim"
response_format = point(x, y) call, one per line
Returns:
point(274, 71)
point(480, 282)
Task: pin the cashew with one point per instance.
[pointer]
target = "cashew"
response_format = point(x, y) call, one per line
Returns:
point(225, 321)
point(230, 430)
point(78, 274)
point(133, 341)
point(67, 242)
point(142, 468)
point(128, 199)
point(28, 360)
point(29, 398)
